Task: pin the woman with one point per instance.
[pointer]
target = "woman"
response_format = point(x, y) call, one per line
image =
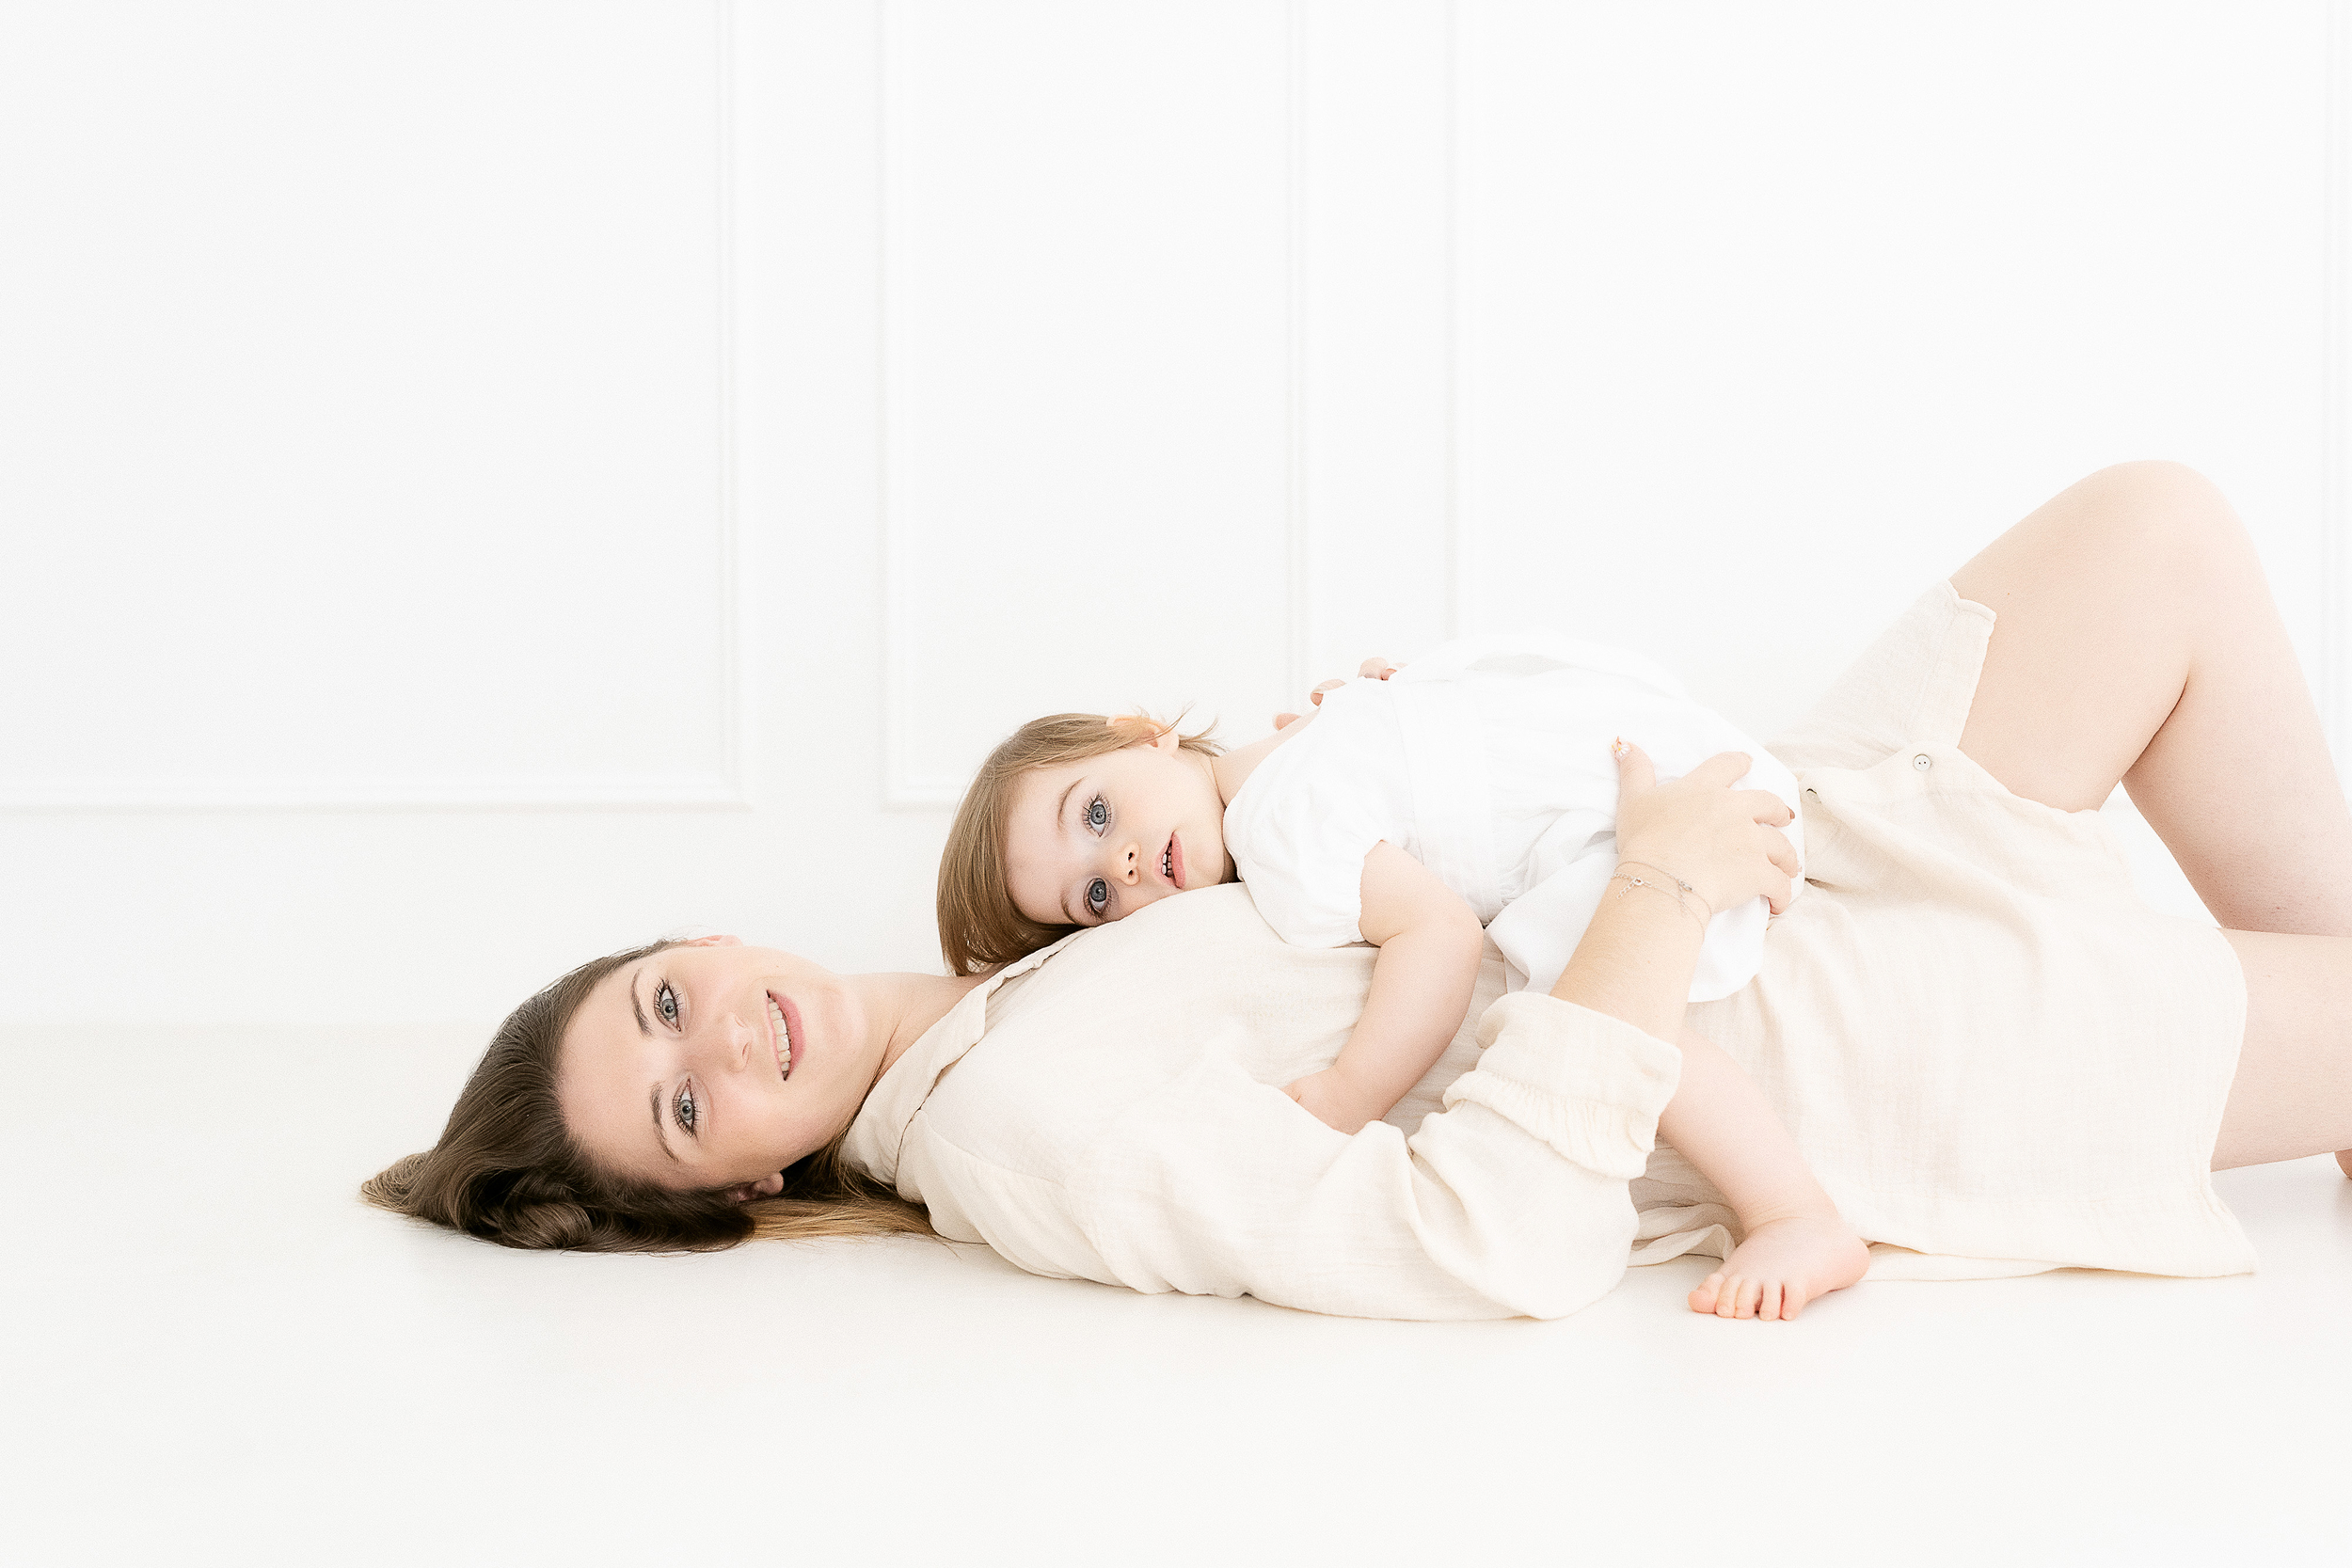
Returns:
point(1995, 1059)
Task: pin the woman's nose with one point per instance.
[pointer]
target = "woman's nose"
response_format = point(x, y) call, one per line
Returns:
point(727, 1043)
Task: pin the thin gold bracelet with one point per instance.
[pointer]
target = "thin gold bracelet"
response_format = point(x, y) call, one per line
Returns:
point(1677, 880)
point(1633, 881)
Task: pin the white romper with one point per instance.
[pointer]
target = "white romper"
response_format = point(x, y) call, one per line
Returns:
point(1489, 763)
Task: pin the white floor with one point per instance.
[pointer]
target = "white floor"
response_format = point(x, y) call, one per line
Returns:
point(215, 1354)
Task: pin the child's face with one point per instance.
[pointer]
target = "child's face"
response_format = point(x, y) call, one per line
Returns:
point(1099, 839)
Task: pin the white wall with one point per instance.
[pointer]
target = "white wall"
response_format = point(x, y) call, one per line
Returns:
point(488, 483)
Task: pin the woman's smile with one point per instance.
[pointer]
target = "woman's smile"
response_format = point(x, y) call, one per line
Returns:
point(785, 1036)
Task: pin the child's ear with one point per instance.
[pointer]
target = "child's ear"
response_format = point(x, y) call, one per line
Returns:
point(1166, 740)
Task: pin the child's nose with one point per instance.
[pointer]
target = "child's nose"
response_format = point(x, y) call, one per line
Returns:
point(1130, 865)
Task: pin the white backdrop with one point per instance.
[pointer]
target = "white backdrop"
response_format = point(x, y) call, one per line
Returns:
point(488, 483)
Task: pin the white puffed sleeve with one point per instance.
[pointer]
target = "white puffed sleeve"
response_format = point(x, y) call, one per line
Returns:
point(1511, 1201)
point(1300, 826)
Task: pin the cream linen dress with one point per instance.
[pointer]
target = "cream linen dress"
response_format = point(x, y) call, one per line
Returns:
point(1995, 1059)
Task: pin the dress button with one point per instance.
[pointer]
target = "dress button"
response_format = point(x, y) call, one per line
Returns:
point(1814, 793)
point(1921, 762)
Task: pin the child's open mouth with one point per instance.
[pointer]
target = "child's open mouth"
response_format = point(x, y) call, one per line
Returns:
point(1172, 862)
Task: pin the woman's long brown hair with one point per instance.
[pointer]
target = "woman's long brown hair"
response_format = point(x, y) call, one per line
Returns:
point(508, 1170)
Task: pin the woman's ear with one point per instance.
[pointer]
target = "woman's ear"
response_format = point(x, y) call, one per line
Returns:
point(767, 1186)
point(713, 942)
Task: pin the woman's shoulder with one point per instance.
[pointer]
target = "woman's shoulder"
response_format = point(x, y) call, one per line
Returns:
point(1194, 983)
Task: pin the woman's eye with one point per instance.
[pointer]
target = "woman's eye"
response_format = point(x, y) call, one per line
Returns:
point(685, 1109)
point(665, 1003)
point(1097, 814)
point(1098, 896)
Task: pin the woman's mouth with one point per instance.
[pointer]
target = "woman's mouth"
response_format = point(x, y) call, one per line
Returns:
point(780, 1031)
point(1172, 863)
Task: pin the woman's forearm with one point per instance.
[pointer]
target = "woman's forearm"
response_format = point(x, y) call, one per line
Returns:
point(1636, 960)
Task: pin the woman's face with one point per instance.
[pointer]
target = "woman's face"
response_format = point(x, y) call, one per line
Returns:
point(715, 1064)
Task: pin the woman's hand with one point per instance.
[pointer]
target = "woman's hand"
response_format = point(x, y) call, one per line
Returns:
point(1376, 668)
point(1726, 843)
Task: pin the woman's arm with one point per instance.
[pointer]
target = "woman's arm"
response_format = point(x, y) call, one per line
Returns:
point(1635, 963)
point(1637, 957)
point(1513, 1200)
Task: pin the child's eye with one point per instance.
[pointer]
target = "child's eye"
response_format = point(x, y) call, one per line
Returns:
point(1097, 814)
point(1098, 896)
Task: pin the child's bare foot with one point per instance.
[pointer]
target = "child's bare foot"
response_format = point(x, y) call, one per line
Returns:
point(1781, 1265)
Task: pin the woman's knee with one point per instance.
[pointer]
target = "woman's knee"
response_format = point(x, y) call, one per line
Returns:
point(2175, 541)
point(2154, 502)
point(2149, 544)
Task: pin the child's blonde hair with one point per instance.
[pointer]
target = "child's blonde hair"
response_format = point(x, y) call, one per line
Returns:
point(979, 925)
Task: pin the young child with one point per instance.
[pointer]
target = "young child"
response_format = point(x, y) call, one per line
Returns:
point(1476, 787)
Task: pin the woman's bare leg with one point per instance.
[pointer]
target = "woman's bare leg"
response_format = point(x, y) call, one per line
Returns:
point(2137, 642)
point(2292, 1095)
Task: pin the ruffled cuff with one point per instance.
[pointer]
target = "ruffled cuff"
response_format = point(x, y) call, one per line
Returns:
point(1589, 1085)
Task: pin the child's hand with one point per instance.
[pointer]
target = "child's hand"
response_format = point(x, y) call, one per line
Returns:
point(1376, 668)
point(1334, 1100)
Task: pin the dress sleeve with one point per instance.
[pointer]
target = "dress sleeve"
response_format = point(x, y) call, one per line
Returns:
point(1511, 1201)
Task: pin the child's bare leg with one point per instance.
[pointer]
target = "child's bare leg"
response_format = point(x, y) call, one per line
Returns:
point(2139, 643)
point(1796, 1247)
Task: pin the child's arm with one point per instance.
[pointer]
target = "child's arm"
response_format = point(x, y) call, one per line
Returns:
point(1430, 942)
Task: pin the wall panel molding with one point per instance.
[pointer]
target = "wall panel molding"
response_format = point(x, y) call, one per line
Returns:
point(1457, 566)
point(2335, 550)
point(905, 786)
point(1379, 558)
point(1297, 604)
point(900, 792)
point(724, 789)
